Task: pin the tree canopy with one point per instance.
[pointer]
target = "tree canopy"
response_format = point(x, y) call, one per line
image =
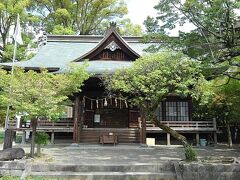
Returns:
point(40, 94)
point(8, 15)
point(215, 41)
point(154, 77)
point(36, 95)
point(61, 17)
point(82, 16)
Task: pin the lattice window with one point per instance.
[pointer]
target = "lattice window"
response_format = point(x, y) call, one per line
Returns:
point(177, 111)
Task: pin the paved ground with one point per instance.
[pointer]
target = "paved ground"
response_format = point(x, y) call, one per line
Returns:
point(130, 154)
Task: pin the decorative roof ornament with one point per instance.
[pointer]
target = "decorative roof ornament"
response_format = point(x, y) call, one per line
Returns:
point(42, 40)
point(112, 46)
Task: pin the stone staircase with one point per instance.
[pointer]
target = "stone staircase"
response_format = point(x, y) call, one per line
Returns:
point(106, 171)
point(166, 170)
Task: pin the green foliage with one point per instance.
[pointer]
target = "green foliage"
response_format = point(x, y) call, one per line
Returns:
point(61, 30)
point(225, 104)
point(190, 153)
point(127, 28)
point(1, 136)
point(152, 78)
point(216, 37)
point(151, 25)
point(42, 138)
point(43, 94)
point(8, 13)
point(80, 16)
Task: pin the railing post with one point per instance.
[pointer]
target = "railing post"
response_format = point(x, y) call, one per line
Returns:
point(168, 139)
point(197, 139)
point(214, 124)
point(52, 137)
point(24, 137)
point(215, 130)
point(196, 124)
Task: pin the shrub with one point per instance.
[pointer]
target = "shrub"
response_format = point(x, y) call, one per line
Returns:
point(190, 153)
point(42, 138)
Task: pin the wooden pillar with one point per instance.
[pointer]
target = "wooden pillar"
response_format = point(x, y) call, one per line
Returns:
point(76, 117)
point(52, 137)
point(24, 137)
point(215, 130)
point(168, 139)
point(197, 139)
point(144, 135)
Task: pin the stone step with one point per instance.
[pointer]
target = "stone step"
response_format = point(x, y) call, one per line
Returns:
point(105, 175)
point(155, 168)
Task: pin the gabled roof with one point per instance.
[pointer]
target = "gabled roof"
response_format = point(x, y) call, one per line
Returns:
point(111, 31)
point(62, 50)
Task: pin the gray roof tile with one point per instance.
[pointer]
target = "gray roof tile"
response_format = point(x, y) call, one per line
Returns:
point(60, 52)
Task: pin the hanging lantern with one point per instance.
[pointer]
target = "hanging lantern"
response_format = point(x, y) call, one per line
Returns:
point(105, 102)
point(97, 103)
point(126, 104)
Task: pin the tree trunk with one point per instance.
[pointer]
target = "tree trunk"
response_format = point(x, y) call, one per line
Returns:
point(173, 133)
point(4, 40)
point(38, 149)
point(150, 115)
point(8, 138)
point(229, 134)
point(34, 128)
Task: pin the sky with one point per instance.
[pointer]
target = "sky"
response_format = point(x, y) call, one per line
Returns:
point(138, 10)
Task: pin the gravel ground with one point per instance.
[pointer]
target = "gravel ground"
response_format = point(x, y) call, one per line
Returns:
point(130, 154)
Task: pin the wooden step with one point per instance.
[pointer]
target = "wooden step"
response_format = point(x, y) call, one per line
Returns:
point(130, 135)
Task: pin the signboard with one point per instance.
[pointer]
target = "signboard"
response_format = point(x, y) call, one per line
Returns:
point(97, 118)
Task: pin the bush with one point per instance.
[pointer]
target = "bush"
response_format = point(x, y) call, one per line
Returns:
point(190, 153)
point(42, 138)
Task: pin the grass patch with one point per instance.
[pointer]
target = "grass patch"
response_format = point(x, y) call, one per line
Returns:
point(9, 178)
point(190, 153)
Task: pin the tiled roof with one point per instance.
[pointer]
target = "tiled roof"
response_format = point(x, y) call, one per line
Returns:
point(61, 50)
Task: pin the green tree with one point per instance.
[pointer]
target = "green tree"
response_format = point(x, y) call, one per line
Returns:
point(40, 94)
point(215, 41)
point(154, 77)
point(8, 15)
point(127, 28)
point(225, 104)
point(151, 25)
point(82, 16)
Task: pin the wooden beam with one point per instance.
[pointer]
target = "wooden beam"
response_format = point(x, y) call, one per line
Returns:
point(144, 135)
point(215, 130)
point(76, 117)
